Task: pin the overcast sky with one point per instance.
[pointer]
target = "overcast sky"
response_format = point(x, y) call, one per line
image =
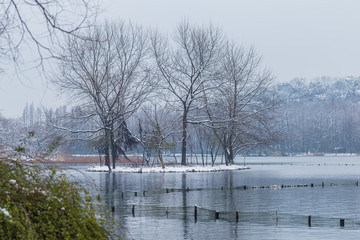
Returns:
point(302, 38)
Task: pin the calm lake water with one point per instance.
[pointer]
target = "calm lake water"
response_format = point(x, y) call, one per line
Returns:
point(164, 202)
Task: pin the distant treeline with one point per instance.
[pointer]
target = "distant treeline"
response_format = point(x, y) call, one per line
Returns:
point(317, 116)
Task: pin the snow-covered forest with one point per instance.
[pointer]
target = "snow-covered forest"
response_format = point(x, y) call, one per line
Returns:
point(319, 116)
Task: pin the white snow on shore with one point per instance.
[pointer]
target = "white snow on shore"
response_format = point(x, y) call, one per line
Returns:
point(168, 169)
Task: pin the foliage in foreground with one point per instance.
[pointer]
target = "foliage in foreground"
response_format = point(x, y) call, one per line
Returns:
point(38, 203)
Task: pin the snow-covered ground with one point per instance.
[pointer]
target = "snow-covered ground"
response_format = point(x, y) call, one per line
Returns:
point(167, 169)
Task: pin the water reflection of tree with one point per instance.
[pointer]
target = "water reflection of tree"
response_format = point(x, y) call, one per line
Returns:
point(184, 197)
point(230, 197)
point(113, 201)
point(108, 192)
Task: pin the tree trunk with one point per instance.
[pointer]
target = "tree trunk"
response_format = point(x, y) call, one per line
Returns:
point(161, 159)
point(107, 146)
point(226, 150)
point(159, 152)
point(231, 155)
point(183, 140)
point(99, 157)
point(202, 154)
point(212, 156)
point(227, 157)
point(231, 150)
point(113, 148)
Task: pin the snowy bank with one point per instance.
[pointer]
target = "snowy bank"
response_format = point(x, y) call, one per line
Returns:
point(168, 169)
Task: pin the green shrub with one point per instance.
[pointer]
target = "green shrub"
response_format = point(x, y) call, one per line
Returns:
point(39, 203)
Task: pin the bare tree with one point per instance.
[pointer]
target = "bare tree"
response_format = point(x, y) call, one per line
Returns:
point(206, 142)
point(162, 123)
point(107, 72)
point(240, 109)
point(40, 24)
point(186, 67)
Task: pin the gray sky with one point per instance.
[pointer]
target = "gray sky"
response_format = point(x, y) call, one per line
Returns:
point(297, 38)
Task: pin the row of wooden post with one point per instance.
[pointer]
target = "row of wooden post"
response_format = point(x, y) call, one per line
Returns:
point(244, 187)
point(132, 209)
point(342, 222)
point(167, 191)
point(217, 215)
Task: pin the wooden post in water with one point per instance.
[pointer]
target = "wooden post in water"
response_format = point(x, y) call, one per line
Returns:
point(133, 210)
point(357, 183)
point(167, 190)
point(216, 214)
point(342, 222)
point(135, 194)
point(323, 184)
point(113, 209)
point(312, 185)
point(237, 216)
point(122, 195)
point(309, 221)
point(144, 193)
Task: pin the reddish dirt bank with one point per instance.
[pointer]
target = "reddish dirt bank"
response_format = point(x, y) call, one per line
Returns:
point(91, 159)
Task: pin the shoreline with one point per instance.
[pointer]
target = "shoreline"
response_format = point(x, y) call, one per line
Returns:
point(168, 169)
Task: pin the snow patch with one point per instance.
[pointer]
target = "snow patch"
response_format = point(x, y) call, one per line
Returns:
point(12, 181)
point(5, 212)
point(170, 169)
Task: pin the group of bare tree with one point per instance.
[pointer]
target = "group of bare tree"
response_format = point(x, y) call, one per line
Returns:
point(196, 79)
point(199, 79)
